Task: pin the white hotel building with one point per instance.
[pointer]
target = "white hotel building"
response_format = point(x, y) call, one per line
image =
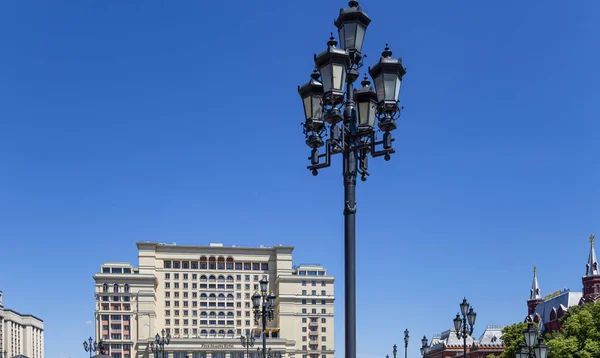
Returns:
point(202, 296)
point(21, 335)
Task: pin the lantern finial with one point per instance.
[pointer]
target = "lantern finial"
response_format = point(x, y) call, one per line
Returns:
point(315, 74)
point(332, 42)
point(353, 3)
point(386, 52)
point(365, 82)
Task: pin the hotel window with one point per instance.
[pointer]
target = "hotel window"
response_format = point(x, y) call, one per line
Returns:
point(247, 286)
point(185, 285)
point(313, 292)
point(255, 277)
point(167, 285)
point(185, 276)
point(323, 283)
point(194, 266)
point(167, 312)
point(194, 276)
point(238, 286)
point(314, 283)
point(323, 338)
point(247, 277)
point(167, 264)
point(186, 322)
point(247, 267)
point(186, 265)
point(247, 323)
point(323, 302)
point(238, 265)
point(323, 293)
point(185, 294)
point(303, 329)
point(221, 266)
point(264, 266)
point(194, 286)
point(323, 320)
point(176, 284)
point(303, 283)
point(176, 264)
point(304, 310)
point(238, 304)
point(168, 322)
point(176, 322)
point(247, 313)
point(303, 348)
point(230, 266)
point(167, 276)
point(303, 319)
point(303, 302)
point(211, 265)
point(323, 329)
point(323, 311)
point(168, 303)
point(176, 276)
point(314, 310)
point(255, 266)
point(176, 294)
point(256, 287)
point(203, 265)
point(303, 338)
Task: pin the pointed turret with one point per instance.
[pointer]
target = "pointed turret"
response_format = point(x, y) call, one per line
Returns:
point(591, 280)
point(535, 287)
point(535, 295)
point(591, 268)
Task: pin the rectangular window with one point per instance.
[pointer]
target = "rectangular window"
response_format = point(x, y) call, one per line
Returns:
point(247, 267)
point(238, 265)
point(105, 270)
point(211, 265)
point(255, 266)
point(117, 270)
point(203, 265)
point(186, 265)
point(264, 266)
point(185, 276)
point(167, 264)
point(176, 276)
point(194, 266)
point(194, 276)
point(323, 302)
point(303, 283)
point(176, 264)
point(230, 266)
point(323, 320)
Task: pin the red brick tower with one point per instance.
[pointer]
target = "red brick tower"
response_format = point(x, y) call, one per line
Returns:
point(591, 280)
point(535, 297)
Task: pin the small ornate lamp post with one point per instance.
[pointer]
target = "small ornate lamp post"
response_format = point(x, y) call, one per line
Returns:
point(158, 345)
point(247, 342)
point(90, 346)
point(333, 108)
point(424, 347)
point(406, 343)
point(395, 350)
point(530, 349)
point(270, 353)
point(464, 325)
point(264, 307)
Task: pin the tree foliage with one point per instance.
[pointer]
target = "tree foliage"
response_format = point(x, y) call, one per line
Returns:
point(512, 336)
point(579, 336)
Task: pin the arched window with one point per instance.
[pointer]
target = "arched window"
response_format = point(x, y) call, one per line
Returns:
point(221, 331)
point(553, 314)
point(212, 296)
point(230, 332)
point(229, 314)
point(203, 314)
point(204, 332)
point(221, 296)
point(229, 278)
point(105, 287)
point(212, 331)
point(203, 295)
point(221, 314)
point(126, 288)
point(116, 288)
point(203, 278)
point(211, 278)
point(229, 296)
point(221, 278)
point(212, 314)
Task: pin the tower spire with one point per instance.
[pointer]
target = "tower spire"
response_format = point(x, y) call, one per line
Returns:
point(591, 268)
point(535, 287)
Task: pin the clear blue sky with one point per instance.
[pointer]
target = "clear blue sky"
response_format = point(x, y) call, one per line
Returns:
point(179, 121)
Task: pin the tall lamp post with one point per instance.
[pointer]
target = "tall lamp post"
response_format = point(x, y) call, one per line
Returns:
point(348, 117)
point(424, 347)
point(464, 325)
point(394, 350)
point(158, 345)
point(530, 349)
point(90, 346)
point(264, 307)
point(270, 353)
point(247, 342)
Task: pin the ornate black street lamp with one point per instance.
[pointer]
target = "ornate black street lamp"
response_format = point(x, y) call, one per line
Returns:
point(158, 345)
point(91, 346)
point(247, 342)
point(464, 325)
point(424, 347)
point(530, 349)
point(264, 307)
point(348, 116)
point(394, 350)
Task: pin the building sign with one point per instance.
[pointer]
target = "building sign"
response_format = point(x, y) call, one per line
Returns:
point(552, 295)
point(216, 346)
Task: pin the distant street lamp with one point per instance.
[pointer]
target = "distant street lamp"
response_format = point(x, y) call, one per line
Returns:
point(264, 307)
point(464, 325)
point(247, 342)
point(530, 349)
point(3, 354)
point(270, 353)
point(406, 343)
point(424, 347)
point(90, 346)
point(158, 345)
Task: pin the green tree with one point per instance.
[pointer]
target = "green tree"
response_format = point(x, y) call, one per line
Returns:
point(579, 336)
point(513, 337)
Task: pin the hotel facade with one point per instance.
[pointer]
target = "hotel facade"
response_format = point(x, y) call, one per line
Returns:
point(201, 295)
point(20, 334)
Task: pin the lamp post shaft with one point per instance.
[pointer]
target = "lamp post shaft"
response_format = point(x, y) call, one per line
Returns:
point(349, 171)
point(264, 328)
point(406, 351)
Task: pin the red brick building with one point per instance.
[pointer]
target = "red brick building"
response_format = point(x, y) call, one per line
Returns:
point(547, 311)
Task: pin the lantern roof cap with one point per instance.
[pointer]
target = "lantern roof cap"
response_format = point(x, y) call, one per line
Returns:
point(332, 52)
point(353, 13)
point(313, 85)
point(387, 62)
